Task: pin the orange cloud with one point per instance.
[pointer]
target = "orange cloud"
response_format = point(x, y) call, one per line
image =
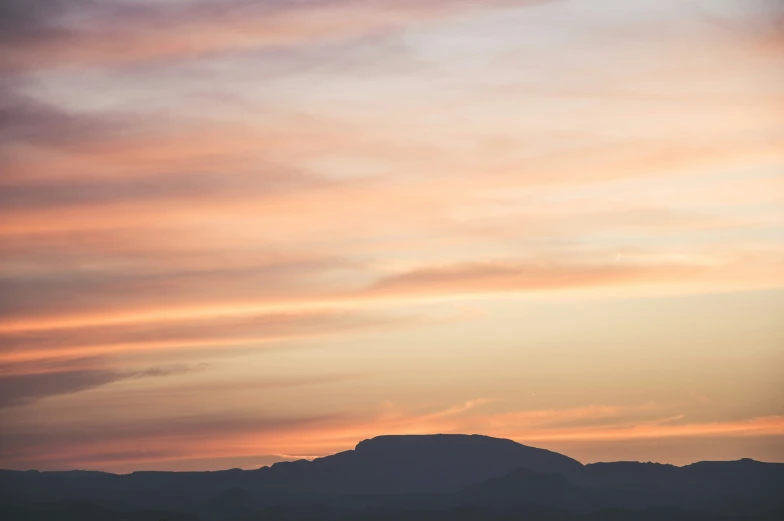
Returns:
point(424, 284)
point(494, 277)
point(209, 333)
point(764, 426)
point(326, 435)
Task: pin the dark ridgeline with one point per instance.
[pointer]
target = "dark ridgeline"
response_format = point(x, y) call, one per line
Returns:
point(427, 478)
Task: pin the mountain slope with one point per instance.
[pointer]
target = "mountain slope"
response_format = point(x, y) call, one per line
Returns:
point(383, 465)
point(523, 487)
point(417, 473)
point(403, 464)
point(744, 486)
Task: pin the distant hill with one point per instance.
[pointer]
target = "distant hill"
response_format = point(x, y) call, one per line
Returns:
point(524, 487)
point(402, 464)
point(744, 486)
point(410, 477)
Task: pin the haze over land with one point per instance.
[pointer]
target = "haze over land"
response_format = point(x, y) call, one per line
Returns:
point(234, 233)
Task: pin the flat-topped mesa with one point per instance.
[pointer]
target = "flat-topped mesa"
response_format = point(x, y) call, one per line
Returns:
point(414, 463)
point(450, 451)
point(417, 441)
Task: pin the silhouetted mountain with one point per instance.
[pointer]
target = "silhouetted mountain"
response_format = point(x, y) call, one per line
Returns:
point(403, 464)
point(435, 477)
point(383, 465)
point(83, 511)
point(524, 487)
point(86, 511)
point(721, 486)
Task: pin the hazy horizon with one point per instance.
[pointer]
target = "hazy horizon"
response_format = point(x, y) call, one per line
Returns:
point(234, 233)
point(269, 460)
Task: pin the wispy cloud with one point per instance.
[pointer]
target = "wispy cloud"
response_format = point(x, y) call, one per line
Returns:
point(25, 388)
point(224, 439)
point(229, 332)
point(116, 33)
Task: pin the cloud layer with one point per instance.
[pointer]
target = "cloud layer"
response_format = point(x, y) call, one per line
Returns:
point(524, 201)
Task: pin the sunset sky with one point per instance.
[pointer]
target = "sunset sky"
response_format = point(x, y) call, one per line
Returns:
point(236, 232)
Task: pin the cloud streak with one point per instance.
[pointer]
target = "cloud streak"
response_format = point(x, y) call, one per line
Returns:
point(226, 333)
point(231, 439)
point(21, 389)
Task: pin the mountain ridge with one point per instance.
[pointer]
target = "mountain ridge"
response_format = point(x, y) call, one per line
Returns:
point(369, 441)
point(424, 473)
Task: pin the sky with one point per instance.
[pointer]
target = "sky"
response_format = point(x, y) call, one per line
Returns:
point(238, 232)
